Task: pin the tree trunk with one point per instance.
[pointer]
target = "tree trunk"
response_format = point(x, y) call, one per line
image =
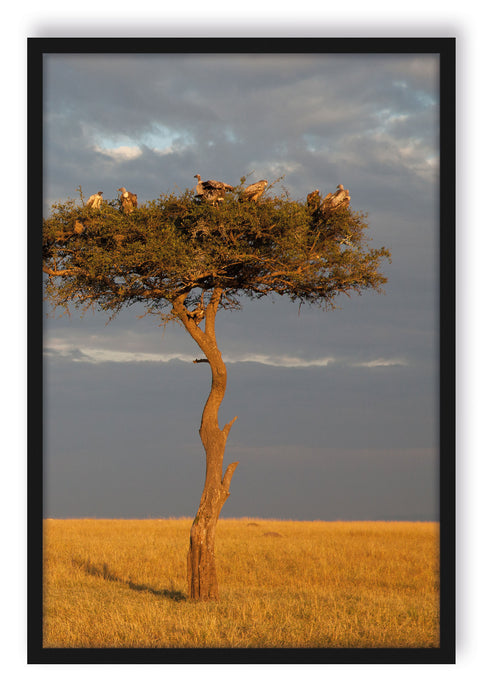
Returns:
point(201, 569)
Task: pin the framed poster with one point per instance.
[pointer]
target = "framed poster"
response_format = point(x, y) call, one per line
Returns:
point(306, 186)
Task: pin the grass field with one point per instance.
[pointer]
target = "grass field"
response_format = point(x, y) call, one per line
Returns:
point(122, 583)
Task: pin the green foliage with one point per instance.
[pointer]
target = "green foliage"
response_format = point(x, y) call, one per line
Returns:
point(175, 246)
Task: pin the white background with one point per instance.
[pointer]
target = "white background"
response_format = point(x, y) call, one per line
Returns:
point(472, 27)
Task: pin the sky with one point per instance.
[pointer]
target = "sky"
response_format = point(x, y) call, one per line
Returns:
point(337, 411)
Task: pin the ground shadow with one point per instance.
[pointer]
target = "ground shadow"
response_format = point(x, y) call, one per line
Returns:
point(102, 571)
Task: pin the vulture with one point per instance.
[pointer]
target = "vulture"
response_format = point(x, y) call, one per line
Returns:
point(253, 192)
point(95, 201)
point(338, 200)
point(211, 190)
point(313, 200)
point(128, 200)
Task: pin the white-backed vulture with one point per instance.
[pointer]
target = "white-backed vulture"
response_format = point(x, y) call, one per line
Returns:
point(338, 200)
point(128, 200)
point(253, 192)
point(95, 200)
point(211, 190)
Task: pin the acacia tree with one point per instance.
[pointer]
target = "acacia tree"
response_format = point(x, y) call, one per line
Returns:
point(184, 260)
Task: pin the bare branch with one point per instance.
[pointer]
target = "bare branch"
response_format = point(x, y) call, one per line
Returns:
point(57, 273)
point(193, 329)
point(211, 311)
point(229, 473)
point(228, 426)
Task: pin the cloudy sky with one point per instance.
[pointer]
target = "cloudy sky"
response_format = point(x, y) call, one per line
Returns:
point(337, 410)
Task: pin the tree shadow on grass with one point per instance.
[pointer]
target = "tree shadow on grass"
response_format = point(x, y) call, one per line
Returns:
point(102, 571)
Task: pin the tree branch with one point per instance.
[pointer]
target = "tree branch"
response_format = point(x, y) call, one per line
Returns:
point(193, 329)
point(229, 473)
point(211, 311)
point(228, 426)
point(57, 273)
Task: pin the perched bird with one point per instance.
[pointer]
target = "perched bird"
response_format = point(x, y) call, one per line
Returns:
point(338, 200)
point(95, 201)
point(253, 192)
point(211, 190)
point(313, 200)
point(128, 200)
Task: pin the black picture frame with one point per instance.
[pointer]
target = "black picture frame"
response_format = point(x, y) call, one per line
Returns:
point(445, 49)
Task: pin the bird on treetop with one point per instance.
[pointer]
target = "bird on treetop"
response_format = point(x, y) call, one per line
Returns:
point(211, 190)
point(253, 192)
point(95, 200)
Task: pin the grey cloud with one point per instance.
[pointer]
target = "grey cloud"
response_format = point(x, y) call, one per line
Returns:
point(234, 112)
point(101, 355)
point(73, 354)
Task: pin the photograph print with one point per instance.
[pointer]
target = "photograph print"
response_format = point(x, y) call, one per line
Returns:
point(241, 259)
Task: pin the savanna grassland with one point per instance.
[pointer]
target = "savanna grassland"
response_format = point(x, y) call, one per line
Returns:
point(122, 583)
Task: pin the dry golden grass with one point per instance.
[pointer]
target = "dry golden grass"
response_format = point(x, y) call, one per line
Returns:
point(122, 583)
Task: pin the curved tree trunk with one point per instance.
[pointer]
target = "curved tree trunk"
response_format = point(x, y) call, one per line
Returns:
point(201, 570)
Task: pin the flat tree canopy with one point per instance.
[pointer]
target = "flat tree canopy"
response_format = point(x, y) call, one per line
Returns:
point(183, 260)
